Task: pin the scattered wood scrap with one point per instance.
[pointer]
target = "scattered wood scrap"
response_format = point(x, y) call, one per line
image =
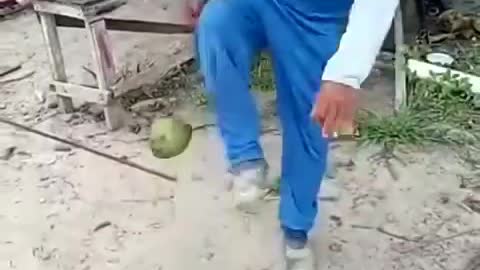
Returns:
point(472, 203)
point(5, 70)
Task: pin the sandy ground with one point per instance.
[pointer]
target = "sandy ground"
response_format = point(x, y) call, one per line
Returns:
point(54, 199)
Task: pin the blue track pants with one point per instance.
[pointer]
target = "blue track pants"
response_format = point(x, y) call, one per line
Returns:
point(229, 36)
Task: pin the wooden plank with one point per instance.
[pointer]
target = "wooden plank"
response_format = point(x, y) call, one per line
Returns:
point(400, 68)
point(95, 31)
point(102, 7)
point(106, 51)
point(148, 27)
point(60, 9)
point(105, 68)
point(114, 114)
point(78, 11)
point(55, 57)
point(138, 26)
point(77, 2)
point(84, 93)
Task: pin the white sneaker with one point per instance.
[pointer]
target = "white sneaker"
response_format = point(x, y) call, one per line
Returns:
point(299, 259)
point(248, 187)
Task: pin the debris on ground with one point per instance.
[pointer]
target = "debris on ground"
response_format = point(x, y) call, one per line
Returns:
point(473, 203)
point(102, 225)
point(17, 78)
point(7, 153)
point(5, 70)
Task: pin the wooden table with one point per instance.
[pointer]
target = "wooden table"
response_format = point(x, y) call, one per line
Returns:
point(97, 17)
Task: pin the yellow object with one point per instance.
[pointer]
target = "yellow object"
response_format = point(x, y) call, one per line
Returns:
point(169, 137)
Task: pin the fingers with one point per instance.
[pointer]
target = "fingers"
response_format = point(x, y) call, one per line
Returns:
point(334, 109)
point(336, 118)
point(330, 123)
point(325, 113)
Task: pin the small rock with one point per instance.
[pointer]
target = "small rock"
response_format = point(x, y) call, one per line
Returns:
point(84, 258)
point(52, 104)
point(42, 200)
point(135, 128)
point(335, 247)
point(337, 220)
point(149, 105)
point(444, 199)
point(3, 106)
point(43, 254)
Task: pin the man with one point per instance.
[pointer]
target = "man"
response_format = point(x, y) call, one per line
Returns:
point(322, 51)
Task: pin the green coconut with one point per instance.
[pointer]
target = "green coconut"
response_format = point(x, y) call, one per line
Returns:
point(169, 137)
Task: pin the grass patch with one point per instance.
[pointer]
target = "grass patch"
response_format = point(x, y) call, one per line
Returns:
point(440, 109)
point(262, 74)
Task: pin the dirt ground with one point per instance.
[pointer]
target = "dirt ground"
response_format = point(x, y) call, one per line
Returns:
point(64, 208)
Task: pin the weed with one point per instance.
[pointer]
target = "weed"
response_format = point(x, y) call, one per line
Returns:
point(262, 74)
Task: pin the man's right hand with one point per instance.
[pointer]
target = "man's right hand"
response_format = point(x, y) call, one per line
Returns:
point(335, 108)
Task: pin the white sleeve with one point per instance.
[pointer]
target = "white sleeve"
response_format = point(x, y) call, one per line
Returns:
point(368, 25)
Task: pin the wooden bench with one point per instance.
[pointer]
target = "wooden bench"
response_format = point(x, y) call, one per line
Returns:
point(96, 17)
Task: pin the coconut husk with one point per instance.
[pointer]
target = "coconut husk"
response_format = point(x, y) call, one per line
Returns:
point(465, 26)
point(453, 21)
